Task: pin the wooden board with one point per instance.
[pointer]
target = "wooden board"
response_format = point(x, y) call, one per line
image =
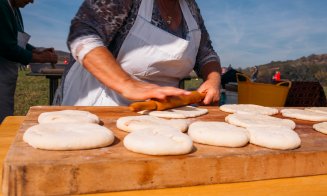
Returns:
point(29, 171)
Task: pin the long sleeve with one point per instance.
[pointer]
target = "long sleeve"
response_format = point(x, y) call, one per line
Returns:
point(206, 53)
point(96, 24)
point(9, 48)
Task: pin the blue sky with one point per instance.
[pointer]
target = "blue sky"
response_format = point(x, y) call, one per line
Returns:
point(243, 32)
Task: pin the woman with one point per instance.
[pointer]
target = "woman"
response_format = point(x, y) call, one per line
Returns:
point(136, 50)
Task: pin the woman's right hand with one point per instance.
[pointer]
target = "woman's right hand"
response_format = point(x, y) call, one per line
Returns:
point(139, 91)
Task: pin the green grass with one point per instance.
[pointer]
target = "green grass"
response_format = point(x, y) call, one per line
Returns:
point(30, 91)
point(192, 84)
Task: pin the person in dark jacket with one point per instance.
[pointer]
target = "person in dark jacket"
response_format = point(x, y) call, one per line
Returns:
point(15, 51)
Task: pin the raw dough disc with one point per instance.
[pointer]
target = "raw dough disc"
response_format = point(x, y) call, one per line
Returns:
point(248, 109)
point(247, 120)
point(281, 138)
point(68, 136)
point(304, 114)
point(158, 140)
point(130, 123)
point(321, 127)
point(218, 134)
point(68, 116)
point(317, 109)
point(181, 112)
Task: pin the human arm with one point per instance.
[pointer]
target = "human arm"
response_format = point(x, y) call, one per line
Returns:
point(207, 63)
point(101, 63)
point(9, 48)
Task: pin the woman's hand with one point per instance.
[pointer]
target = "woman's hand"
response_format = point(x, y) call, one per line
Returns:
point(211, 84)
point(210, 88)
point(136, 90)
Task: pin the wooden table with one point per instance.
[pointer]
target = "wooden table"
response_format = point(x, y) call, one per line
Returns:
point(311, 185)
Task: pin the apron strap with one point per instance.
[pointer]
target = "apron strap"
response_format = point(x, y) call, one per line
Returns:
point(146, 9)
point(190, 21)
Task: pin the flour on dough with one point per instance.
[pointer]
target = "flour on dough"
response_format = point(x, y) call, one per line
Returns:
point(321, 127)
point(158, 140)
point(304, 114)
point(68, 136)
point(248, 109)
point(131, 123)
point(281, 138)
point(248, 120)
point(68, 116)
point(218, 134)
point(181, 112)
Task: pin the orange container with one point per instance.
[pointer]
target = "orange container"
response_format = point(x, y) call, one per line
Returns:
point(273, 95)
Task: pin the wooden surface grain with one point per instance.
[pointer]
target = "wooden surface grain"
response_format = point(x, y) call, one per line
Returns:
point(113, 168)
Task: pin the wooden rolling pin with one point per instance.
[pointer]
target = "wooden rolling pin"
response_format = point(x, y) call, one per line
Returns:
point(171, 102)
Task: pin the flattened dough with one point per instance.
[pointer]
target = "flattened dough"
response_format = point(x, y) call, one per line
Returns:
point(68, 136)
point(218, 134)
point(248, 109)
point(131, 123)
point(248, 120)
point(181, 112)
point(317, 109)
point(304, 114)
point(321, 127)
point(281, 138)
point(158, 140)
point(68, 116)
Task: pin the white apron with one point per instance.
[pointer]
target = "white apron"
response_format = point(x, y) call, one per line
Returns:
point(148, 54)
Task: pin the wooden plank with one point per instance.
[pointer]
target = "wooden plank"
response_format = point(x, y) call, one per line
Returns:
point(32, 171)
point(8, 130)
point(300, 186)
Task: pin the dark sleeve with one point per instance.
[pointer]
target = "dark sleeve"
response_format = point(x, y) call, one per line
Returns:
point(206, 53)
point(9, 48)
point(99, 18)
point(29, 47)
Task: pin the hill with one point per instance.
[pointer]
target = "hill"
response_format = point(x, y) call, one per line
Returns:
point(62, 56)
point(310, 68)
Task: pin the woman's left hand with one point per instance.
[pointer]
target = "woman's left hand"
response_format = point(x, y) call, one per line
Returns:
point(211, 84)
point(211, 88)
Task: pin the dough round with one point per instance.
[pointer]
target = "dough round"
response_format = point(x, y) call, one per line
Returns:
point(68, 136)
point(68, 116)
point(131, 123)
point(317, 109)
point(248, 109)
point(158, 140)
point(321, 127)
point(248, 120)
point(218, 134)
point(281, 138)
point(304, 114)
point(181, 112)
